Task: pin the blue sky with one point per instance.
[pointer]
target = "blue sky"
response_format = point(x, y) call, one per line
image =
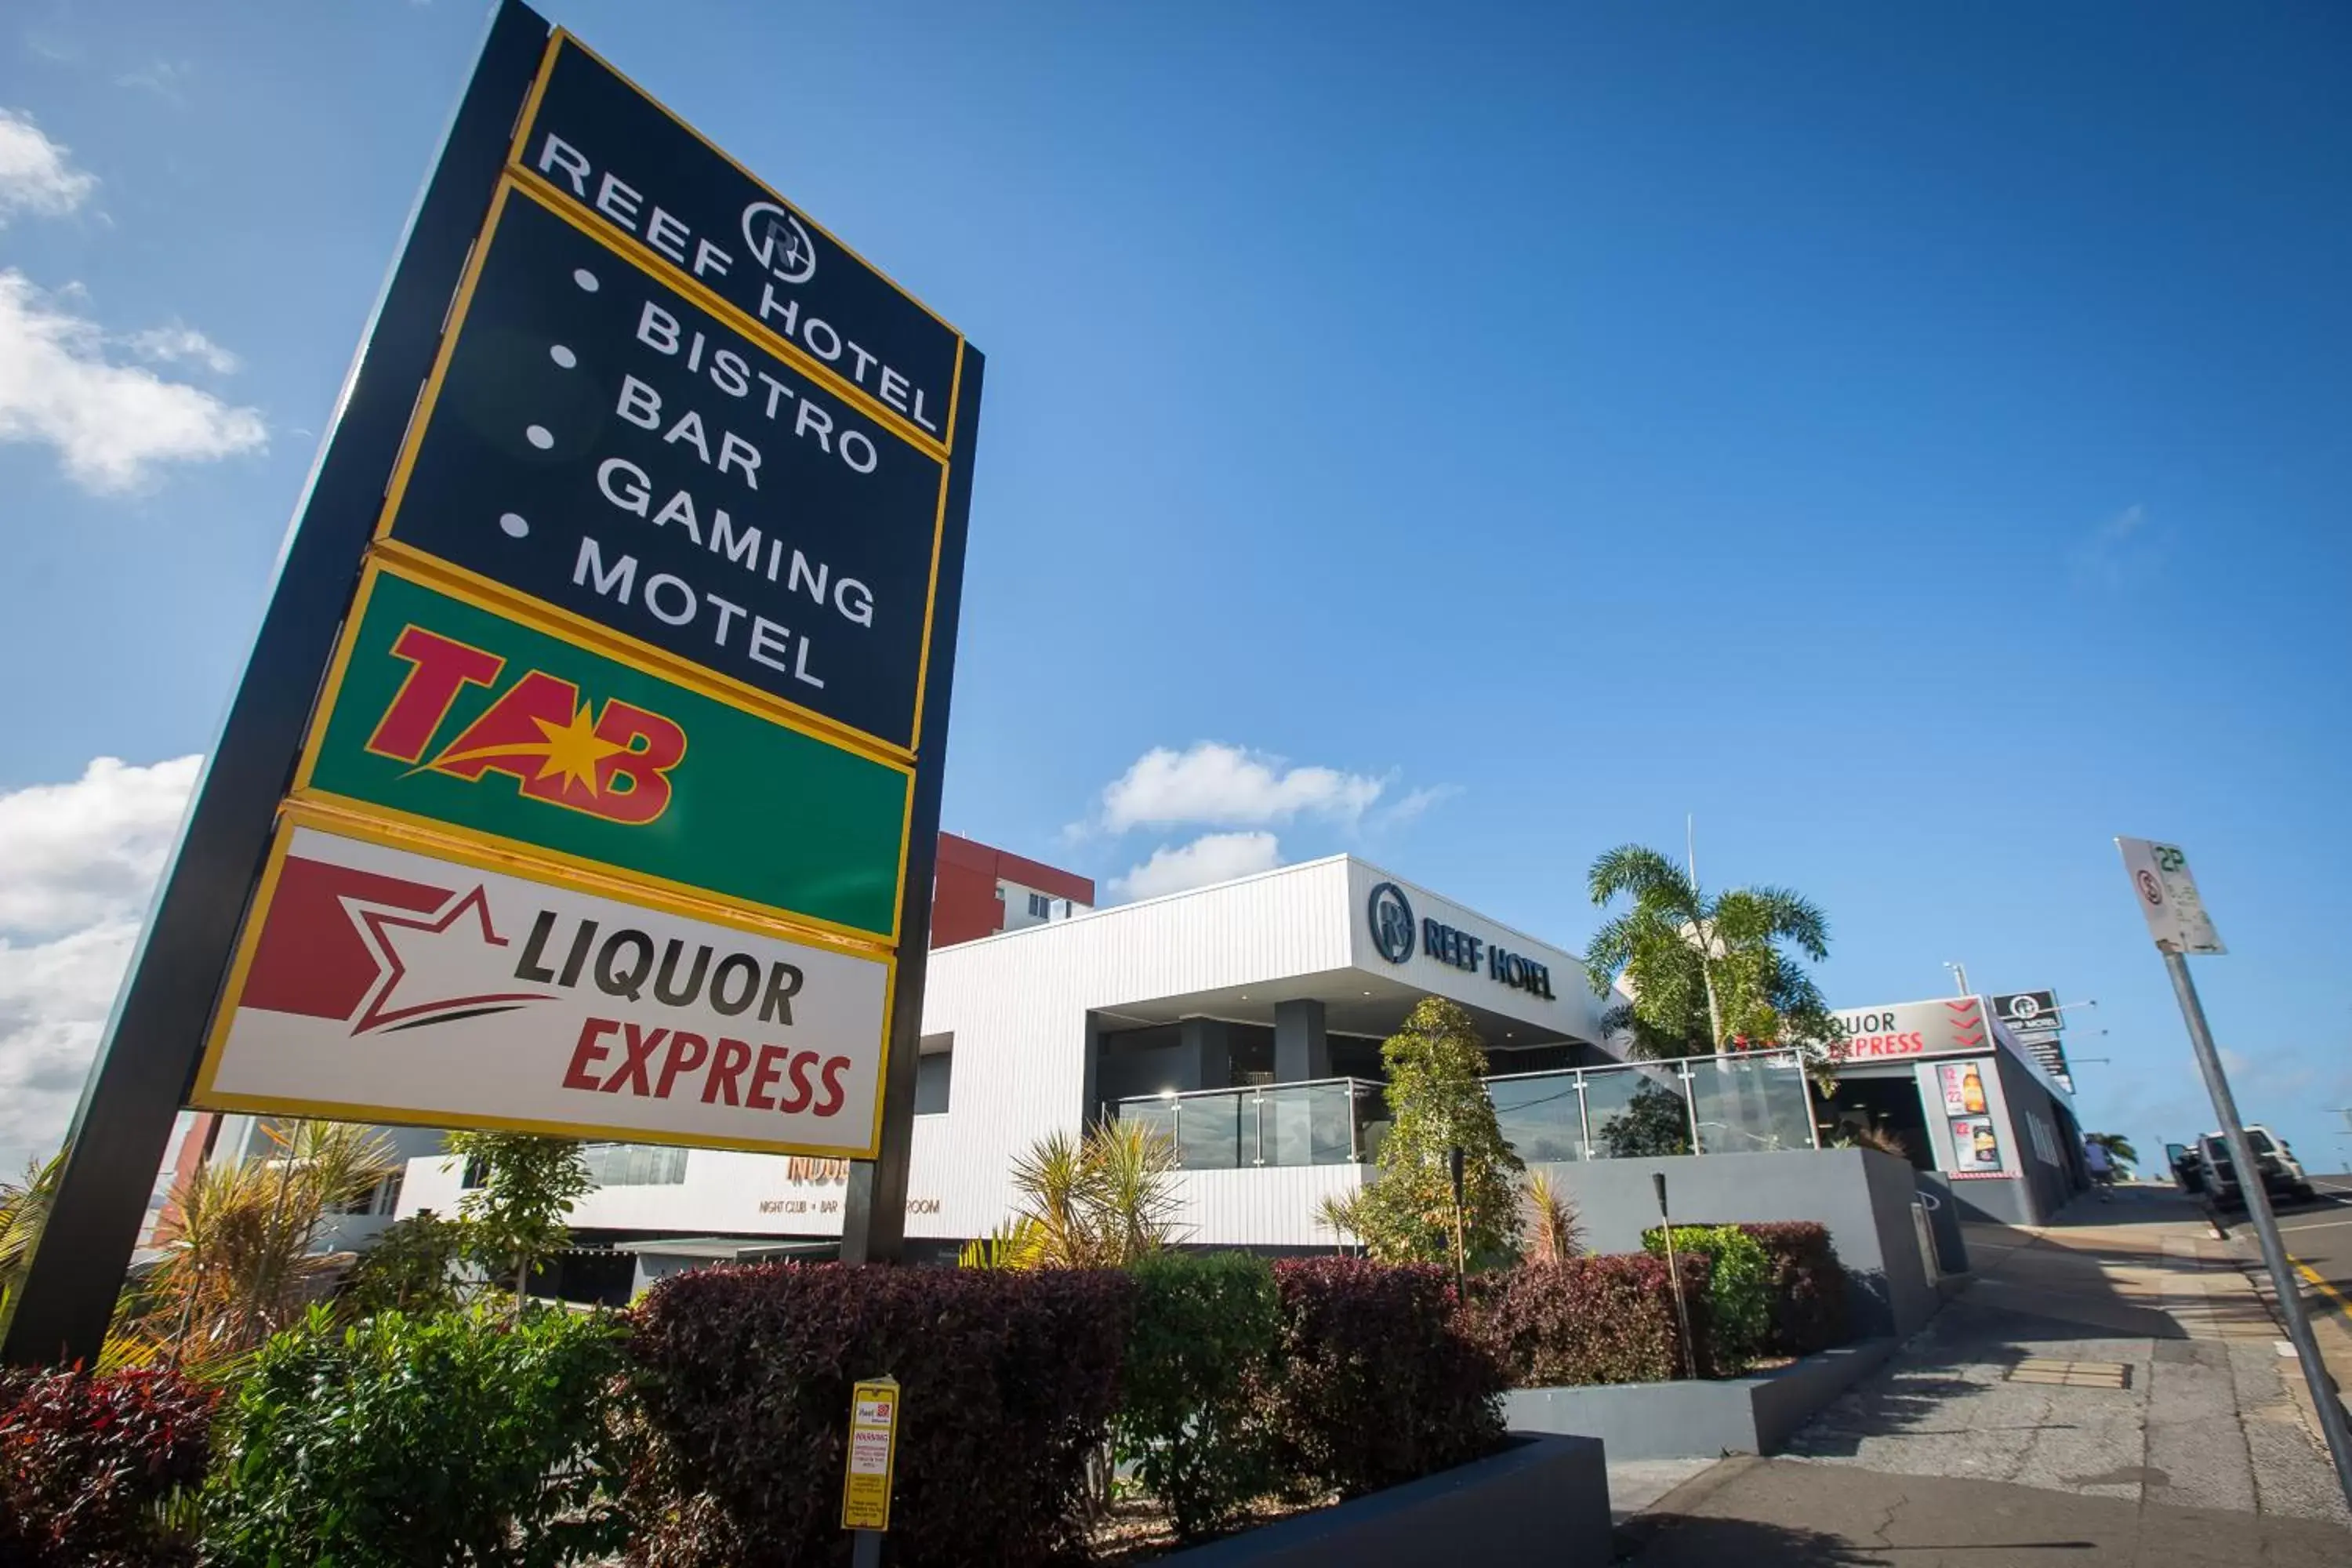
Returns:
point(1915, 444)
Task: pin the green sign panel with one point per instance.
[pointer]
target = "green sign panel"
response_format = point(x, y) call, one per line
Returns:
point(448, 711)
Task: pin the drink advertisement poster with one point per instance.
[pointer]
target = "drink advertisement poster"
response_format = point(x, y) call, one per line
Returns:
point(1975, 1145)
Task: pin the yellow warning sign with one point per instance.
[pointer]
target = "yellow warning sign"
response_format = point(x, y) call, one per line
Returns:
point(873, 1455)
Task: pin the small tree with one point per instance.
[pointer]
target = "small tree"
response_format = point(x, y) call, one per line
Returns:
point(412, 1267)
point(529, 1186)
point(1437, 1103)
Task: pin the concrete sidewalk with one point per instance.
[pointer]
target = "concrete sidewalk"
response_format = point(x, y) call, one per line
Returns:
point(2107, 1390)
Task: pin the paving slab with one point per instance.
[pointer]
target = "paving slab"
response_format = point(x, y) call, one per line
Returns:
point(2105, 1390)
point(1764, 1513)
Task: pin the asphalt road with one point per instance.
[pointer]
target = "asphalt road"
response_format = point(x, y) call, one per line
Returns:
point(2319, 1236)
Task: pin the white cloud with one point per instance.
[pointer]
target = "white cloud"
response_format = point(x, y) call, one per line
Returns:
point(76, 863)
point(37, 176)
point(54, 999)
point(162, 78)
point(1222, 786)
point(1212, 857)
point(177, 344)
point(2118, 549)
point(110, 424)
point(77, 853)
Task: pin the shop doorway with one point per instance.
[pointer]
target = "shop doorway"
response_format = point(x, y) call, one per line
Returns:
point(1888, 1106)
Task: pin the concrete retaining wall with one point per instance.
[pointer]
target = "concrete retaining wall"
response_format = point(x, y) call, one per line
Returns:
point(1695, 1420)
point(1543, 1499)
point(1861, 1195)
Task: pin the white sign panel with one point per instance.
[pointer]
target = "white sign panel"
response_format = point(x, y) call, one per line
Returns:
point(2168, 897)
point(374, 983)
point(1916, 1028)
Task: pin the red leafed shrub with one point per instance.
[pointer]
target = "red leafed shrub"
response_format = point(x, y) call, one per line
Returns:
point(1382, 1380)
point(1809, 1288)
point(1008, 1381)
point(1607, 1318)
point(84, 1458)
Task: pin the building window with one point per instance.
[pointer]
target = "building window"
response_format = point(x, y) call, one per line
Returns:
point(934, 1074)
point(634, 1165)
point(1041, 907)
point(381, 1199)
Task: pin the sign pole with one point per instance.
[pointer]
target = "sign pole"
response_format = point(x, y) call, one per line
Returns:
point(2324, 1395)
point(147, 1059)
point(874, 1205)
point(2177, 921)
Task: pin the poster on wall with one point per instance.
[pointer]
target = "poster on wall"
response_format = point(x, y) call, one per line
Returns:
point(1976, 1148)
point(1963, 1086)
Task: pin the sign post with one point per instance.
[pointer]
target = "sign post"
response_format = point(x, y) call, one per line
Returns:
point(586, 776)
point(873, 1457)
point(2177, 921)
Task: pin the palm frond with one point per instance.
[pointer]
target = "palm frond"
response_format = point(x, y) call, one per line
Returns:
point(1555, 1229)
point(24, 1210)
point(1648, 876)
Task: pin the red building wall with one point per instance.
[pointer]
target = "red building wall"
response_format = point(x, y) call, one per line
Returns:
point(965, 905)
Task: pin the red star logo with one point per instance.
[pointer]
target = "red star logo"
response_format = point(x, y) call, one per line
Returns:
point(443, 967)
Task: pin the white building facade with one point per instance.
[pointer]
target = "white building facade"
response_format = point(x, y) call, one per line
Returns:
point(1245, 1018)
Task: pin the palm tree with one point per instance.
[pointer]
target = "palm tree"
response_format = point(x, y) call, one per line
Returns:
point(1707, 973)
point(2118, 1147)
point(245, 1260)
point(24, 1209)
point(1555, 1230)
point(1097, 1202)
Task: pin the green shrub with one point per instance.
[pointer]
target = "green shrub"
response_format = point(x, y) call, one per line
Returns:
point(412, 1266)
point(1208, 1329)
point(403, 1442)
point(1810, 1309)
point(1740, 1288)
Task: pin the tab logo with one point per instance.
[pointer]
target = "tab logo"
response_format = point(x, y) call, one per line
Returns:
point(612, 762)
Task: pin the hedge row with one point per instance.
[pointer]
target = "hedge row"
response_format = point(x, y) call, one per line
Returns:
point(1226, 1379)
point(1009, 1381)
point(1594, 1319)
point(707, 1425)
point(1750, 1291)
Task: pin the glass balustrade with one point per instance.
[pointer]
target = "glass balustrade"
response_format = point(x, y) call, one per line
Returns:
point(1744, 1103)
point(1322, 1122)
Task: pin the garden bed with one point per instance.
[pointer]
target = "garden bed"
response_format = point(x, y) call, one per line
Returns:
point(1693, 1419)
point(1544, 1497)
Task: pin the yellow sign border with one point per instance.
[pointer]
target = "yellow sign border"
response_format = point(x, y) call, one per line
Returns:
point(249, 940)
point(519, 167)
point(330, 691)
point(420, 421)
